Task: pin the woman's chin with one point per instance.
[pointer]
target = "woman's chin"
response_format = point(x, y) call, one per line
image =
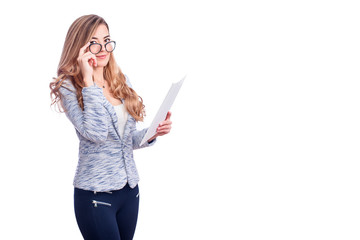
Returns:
point(101, 64)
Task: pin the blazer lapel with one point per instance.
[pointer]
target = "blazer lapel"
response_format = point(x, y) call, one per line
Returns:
point(130, 122)
point(113, 117)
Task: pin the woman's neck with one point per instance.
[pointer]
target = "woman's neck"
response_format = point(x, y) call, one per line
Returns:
point(98, 75)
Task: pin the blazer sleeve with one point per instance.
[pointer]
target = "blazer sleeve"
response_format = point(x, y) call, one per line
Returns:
point(92, 122)
point(137, 136)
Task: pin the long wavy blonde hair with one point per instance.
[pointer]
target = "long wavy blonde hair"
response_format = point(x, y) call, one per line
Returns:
point(79, 33)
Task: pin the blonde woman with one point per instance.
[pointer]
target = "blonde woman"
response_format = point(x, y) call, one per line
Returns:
point(98, 100)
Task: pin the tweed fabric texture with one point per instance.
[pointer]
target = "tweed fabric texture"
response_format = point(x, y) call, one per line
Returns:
point(105, 159)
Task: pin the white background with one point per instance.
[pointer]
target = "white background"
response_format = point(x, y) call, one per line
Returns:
point(265, 139)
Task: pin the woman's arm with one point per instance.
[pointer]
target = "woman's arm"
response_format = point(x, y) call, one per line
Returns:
point(137, 137)
point(163, 128)
point(92, 122)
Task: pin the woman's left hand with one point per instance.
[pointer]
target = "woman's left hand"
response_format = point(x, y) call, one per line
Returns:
point(163, 128)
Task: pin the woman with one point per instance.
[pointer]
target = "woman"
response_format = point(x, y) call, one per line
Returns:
point(99, 101)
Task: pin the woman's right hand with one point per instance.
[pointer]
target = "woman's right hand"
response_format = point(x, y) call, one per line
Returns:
point(87, 62)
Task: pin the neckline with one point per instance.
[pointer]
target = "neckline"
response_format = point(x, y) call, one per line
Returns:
point(121, 100)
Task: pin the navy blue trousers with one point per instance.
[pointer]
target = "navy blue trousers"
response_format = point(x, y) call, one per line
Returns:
point(107, 215)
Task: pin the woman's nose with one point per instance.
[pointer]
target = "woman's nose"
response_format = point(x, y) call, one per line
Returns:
point(102, 47)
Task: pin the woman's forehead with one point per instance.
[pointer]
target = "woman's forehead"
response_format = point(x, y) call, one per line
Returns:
point(101, 31)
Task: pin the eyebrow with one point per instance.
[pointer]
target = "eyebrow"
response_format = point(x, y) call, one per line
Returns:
point(107, 36)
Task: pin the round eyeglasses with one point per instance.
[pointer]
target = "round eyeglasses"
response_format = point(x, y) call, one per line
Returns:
point(95, 48)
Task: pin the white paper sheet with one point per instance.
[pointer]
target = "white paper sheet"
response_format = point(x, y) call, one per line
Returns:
point(163, 110)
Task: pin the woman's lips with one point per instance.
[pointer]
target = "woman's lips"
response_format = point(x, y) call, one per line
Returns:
point(101, 56)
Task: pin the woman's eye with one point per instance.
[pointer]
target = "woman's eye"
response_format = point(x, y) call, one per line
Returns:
point(92, 42)
point(107, 40)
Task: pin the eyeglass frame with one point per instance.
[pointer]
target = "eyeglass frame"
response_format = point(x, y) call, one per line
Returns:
point(101, 45)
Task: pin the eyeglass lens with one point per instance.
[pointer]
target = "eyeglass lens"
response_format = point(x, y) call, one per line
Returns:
point(96, 47)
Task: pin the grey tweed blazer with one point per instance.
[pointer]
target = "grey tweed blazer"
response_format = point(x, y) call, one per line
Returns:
point(106, 160)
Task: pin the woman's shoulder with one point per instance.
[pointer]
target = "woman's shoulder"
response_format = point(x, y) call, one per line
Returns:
point(67, 83)
point(67, 86)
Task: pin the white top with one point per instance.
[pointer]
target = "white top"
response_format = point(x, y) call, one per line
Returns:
point(122, 116)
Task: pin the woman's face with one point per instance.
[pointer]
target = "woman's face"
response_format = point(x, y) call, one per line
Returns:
point(101, 36)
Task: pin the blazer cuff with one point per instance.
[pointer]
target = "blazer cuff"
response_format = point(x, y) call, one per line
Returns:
point(152, 142)
point(92, 94)
point(148, 144)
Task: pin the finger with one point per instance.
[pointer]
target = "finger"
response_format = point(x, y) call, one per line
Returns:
point(163, 133)
point(93, 62)
point(91, 58)
point(88, 55)
point(168, 115)
point(82, 50)
point(165, 129)
point(164, 126)
point(167, 122)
